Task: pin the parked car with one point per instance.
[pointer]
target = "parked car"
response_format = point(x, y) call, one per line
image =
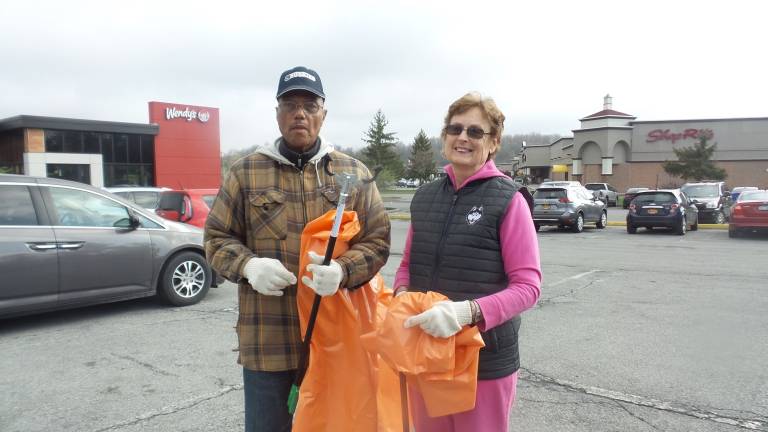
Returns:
point(605, 192)
point(402, 183)
point(667, 208)
point(145, 197)
point(711, 198)
point(630, 194)
point(568, 206)
point(65, 244)
point(189, 206)
point(738, 190)
point(749, 213)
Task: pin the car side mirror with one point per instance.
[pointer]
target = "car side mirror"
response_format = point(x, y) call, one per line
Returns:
point(131, 222)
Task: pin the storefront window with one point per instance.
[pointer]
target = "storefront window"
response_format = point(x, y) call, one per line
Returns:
point(54, 141)
point(77, 172)
point(73, 142)
point(121, 148)
point(134, 149)
point(147, 149)
point(129, 159)
point(128, 175)
point(107, 148)
point(91, 142)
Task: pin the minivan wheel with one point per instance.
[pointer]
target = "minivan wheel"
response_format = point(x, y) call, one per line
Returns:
point(603, 221)
point(185, 279)
point(719, 218)
point(578, 226)
point(680, 230)
point(631, 229)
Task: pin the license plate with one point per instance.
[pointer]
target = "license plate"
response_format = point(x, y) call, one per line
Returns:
point(651, 211)
point(765, 207)
point(545, 206)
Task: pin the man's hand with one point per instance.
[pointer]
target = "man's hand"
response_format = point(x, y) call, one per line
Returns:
point(325, 279)
point(268, 276)
point(444, 319)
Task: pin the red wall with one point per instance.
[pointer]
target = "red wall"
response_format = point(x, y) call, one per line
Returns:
point(187, 149)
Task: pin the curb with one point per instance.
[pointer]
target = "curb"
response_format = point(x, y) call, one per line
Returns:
point(407, 217)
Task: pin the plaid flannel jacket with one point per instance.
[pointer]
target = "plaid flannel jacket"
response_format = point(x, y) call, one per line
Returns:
point(260, 211)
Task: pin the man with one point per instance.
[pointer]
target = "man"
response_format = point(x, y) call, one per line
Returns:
point(253, 232)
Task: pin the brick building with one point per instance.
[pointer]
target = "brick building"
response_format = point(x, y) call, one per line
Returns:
point(613, 147)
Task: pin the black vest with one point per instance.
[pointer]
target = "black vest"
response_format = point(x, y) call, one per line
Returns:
point(455, 250)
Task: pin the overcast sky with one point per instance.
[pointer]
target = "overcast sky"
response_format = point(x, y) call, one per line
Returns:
point(546, 63)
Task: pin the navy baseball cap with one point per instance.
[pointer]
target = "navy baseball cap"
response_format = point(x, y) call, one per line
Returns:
point(300, 78)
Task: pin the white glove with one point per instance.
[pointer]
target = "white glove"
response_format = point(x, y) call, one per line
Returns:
point(444, 319)
point(268, 276)
point(325, 279)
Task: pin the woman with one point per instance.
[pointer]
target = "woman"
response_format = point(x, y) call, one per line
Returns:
point(472, 239)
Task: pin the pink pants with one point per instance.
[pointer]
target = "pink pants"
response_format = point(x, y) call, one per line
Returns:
point(491, 414)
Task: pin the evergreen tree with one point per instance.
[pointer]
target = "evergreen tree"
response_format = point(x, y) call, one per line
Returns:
point(422, 164)
point(381, 150)
point(696, 162)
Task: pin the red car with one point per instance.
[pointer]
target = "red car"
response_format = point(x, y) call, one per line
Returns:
point(749, 213)
point(188, 206)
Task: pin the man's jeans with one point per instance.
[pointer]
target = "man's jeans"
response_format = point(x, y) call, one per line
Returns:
point(266, 400)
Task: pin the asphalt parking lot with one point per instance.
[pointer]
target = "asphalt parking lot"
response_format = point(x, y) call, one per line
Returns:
point(650, 332)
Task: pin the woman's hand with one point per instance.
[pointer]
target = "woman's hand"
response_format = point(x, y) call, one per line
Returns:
point(444, 319)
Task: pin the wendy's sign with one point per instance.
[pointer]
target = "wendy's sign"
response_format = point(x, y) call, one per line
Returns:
point(667, 135)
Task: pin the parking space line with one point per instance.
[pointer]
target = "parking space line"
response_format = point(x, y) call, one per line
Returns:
point(568, 279)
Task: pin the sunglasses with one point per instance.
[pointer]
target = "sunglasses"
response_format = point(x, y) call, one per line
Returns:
point(474, 132)
point(292, 107)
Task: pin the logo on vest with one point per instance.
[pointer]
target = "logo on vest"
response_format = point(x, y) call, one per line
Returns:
point(474, 215)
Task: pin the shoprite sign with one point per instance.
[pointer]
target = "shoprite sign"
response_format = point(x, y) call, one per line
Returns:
point(667, 135)
point(189, 114)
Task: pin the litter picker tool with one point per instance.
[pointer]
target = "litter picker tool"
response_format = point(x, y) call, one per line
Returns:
point(293, 396)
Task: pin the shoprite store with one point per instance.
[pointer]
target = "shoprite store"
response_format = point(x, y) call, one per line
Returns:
point(179, 148)
point(613, 147)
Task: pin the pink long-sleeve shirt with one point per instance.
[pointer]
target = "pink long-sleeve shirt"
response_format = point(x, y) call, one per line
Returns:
point(520, 253)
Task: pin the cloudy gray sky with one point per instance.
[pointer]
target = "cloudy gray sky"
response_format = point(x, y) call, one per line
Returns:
point(547, 64)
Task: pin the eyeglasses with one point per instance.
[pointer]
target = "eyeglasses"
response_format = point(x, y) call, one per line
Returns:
point(292, 107)
point(474, 132)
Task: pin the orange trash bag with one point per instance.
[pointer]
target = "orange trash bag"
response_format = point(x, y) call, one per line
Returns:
point(339, 391)
point(443, 370)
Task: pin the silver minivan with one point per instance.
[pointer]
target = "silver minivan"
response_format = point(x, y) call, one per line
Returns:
point(65, 244)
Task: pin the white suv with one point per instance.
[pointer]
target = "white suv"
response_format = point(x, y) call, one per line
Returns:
point(605, 192)
point(145, 197)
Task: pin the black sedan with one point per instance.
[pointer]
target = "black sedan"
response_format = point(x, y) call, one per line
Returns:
point(668, 208)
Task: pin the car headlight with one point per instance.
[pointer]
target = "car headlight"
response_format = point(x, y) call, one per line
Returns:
point(711, 205)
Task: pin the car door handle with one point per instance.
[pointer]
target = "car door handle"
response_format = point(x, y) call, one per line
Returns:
point(71, 245)
point(42, 246)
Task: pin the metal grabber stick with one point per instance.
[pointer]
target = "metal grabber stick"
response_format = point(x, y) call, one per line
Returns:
point(293, 396)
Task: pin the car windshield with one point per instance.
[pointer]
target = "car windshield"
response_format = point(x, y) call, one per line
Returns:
point(147, 199)
point(753, 196)
point(594, 186)
point(655, 198)
point(549, 194)
point(701, 191)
